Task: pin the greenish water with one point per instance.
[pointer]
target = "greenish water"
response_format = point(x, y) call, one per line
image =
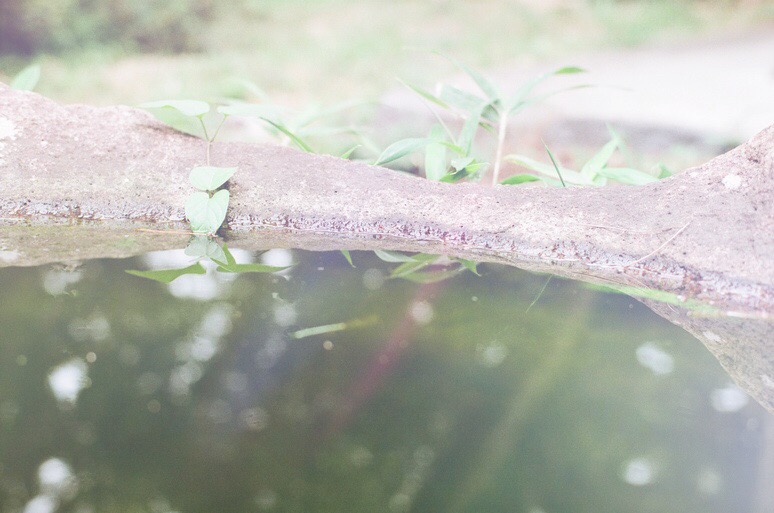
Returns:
point(212, 394)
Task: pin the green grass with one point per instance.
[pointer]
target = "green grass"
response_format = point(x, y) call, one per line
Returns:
point(304, 52)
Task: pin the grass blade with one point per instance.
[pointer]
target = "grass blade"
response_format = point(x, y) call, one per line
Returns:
point(402, 148)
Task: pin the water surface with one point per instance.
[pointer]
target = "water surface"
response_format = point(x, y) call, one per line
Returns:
point(328, 388)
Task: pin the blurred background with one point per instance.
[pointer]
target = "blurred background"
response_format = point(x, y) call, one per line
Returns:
point(504, 392)
point(682, 79)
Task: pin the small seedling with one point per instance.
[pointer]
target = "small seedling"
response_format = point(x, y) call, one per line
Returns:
point(594, 172)
point(205, 209)
point(490, 111)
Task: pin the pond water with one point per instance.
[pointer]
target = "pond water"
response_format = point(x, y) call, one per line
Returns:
point(327, 388)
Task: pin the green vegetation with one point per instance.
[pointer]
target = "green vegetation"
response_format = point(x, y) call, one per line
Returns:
point(309, 51)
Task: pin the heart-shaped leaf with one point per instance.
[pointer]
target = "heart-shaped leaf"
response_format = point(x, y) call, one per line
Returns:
point(209, 178)
point(204, 247)
point(206, 213)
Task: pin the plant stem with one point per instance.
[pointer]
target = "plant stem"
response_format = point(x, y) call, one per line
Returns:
point(502, 127)
point(207, 138)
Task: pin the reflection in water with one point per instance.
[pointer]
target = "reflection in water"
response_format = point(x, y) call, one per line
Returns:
point(336, 389)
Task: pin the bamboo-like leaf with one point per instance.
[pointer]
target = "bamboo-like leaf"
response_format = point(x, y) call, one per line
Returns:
point(249, 268)
point(627, 175)
point(392, 257)
point(521, 178)
point(462, 100)
point(402, 148)
point(520, 96)
point(253, 110)
point(293, 137)
point(483, 83)
point(426, 95)
point(556, 166)
point(435, 155)
point(418, 261)
point(193, 108)
point(595, 164)
point(548, 170)
point(470, 265)
point(430, 276)
point(469, 129)
point(348, 153)
point(347, 256)
point(169, 275)
point(26, 79)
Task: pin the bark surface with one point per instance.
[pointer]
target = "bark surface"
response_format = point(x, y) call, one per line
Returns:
point(77, 182)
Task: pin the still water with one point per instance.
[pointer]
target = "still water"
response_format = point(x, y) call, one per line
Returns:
point(328, 388)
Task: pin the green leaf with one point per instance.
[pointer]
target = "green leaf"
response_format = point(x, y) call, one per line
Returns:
point(470, 265)
point(229, 257)
point(627, 175)
point(462, 100)
point(347, 256)
point(193, 108)
point(293, 137)
point(402, 148)
point(595, 164)
point(253, 110)
point(348, 153)
point(556, 166)
point(209, 178)
point(418, 261)
point(169, 275)
point(663, 171)
point(549, 171)
point(206, 213)
point(204, 247)
point(426, 95)
point(486, 86)
point(430, 276)
point(520, 178)
point(435, 155)
point(392, 256)
point(471, 169)
point(462, 163)
point(469, 129)
point(250, 268)
point(26, 79)
point(520, 95)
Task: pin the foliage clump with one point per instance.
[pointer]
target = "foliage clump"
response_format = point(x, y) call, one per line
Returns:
point(28, 27)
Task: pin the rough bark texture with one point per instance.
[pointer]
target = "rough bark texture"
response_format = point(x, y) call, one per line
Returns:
point(77, 181)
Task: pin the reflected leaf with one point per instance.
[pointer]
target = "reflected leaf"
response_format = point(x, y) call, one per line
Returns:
point(249, 268)
point(204, 247)
point(431, 276)
point(392, 257)
point(347, 256)
point(169, 275)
